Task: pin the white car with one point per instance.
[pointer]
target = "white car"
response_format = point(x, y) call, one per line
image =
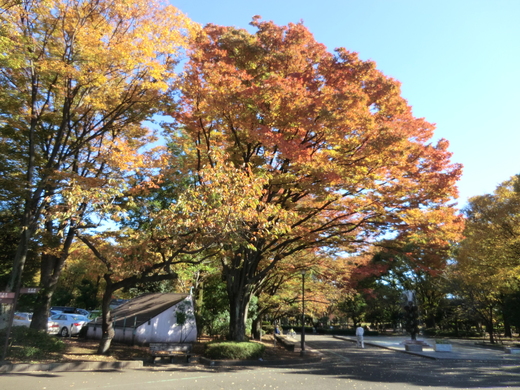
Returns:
point(70, 324)
point(53, 327)
point(22, 319)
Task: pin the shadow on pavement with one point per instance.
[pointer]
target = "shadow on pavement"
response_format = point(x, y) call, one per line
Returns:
point(374, 364)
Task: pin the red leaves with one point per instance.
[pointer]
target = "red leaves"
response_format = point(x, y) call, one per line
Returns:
point(343, 157)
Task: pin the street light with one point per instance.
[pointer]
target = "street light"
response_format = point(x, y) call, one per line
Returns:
point(302, 352)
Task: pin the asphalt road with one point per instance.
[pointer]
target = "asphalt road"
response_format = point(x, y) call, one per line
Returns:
point(343, 367)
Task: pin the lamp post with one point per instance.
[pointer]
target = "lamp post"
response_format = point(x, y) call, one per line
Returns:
point(302, 352)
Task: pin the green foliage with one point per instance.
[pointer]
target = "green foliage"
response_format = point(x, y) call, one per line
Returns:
point(354, 307)
point(26, 343)
point(181, 317)
point(213, 315)
point(234, 350)
point(511, 308)
point(63, 296)
point(9, 234)
point(451, 333)
point(87, 298)
point(345, 332)
point(268, 328)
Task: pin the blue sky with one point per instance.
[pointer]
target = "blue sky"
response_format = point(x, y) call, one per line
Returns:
point(458, 62)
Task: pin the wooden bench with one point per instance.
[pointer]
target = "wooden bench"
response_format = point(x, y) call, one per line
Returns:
point(170, 350)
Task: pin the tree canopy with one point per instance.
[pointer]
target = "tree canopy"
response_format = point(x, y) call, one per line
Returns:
point(341, 156)
point(77, 80)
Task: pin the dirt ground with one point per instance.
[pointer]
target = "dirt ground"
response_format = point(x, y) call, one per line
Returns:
point(79, 349)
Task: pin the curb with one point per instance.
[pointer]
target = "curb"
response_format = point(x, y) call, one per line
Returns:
point(453, 356)
point(135, 364)
point(72, 366)
point(258, 363)
point(389, 348)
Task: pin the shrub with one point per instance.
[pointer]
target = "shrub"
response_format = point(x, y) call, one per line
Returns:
point(26, 343)
point(269, 329)
point(451, 333)
point(234, 350)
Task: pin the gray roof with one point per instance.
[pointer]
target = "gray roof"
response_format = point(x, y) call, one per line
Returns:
point(141, 309)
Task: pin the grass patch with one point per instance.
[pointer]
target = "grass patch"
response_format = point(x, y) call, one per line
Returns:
point(31, 344)
point(234, 350)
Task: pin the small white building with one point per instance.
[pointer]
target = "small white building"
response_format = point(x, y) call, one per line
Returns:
point(152, 318)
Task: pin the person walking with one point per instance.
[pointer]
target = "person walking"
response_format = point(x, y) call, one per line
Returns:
point(360, 343)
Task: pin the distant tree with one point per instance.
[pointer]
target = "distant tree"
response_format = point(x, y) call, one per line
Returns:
point(87, 297)
point(213, 313)
point(488, 258)
point(354, 307)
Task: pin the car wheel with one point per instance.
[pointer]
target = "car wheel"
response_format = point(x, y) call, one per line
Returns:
point(64, 332)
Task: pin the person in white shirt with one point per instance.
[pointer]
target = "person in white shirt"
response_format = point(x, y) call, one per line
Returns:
point(360, 343)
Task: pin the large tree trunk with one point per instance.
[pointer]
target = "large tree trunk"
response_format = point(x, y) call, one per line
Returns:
point(239, 304)
point(489, 326)
point(41, 309)
point(257, 327)
point(15, 280)
point(241, 276)
point(507, 323)
point(107, 328)
point(31, 212)
point(51, 267)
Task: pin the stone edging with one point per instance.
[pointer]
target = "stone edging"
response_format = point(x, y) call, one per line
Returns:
point(259, 363)
point(72, 366)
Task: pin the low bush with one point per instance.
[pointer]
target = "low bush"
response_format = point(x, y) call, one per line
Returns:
point(451, 333)
point(234, 350)
point(26, 343)
point(269, 329)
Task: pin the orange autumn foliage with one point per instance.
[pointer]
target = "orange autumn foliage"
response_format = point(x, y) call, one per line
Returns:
point(343, 157)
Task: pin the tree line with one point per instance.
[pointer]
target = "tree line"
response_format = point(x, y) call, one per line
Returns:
point(144, 152)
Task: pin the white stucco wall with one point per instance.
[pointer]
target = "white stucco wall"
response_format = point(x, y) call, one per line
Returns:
point(162, 328)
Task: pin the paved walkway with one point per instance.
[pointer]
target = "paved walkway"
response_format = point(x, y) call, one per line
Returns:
point(461, 349)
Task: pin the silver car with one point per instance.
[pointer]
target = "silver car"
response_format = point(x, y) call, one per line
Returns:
point(70, 324)
point(22, 319)
point(53, 327)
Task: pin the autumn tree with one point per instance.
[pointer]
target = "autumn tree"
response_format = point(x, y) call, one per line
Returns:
point(342, 158)
point(414, 260)
point(77, 80)
point(280, 292)
point(487, 259)
point(128, 259)
point(157, 239)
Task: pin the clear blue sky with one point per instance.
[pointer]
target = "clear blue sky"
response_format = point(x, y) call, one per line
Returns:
point(458, 62)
